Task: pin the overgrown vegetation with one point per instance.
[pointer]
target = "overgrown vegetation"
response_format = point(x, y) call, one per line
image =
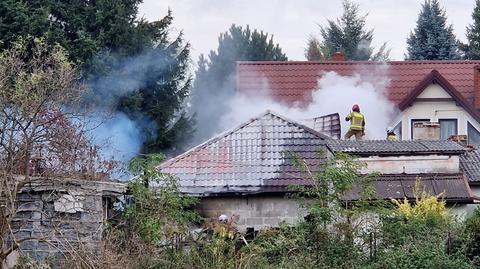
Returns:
point(157, 229)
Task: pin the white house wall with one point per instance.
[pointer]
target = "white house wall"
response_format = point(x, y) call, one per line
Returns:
point(411, 164)
point(435, 111)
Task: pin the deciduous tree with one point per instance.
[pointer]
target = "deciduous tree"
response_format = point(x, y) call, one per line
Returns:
point(41, 126)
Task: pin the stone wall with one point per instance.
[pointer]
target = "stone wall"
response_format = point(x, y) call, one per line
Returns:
point(57, 217)
point(253, 211)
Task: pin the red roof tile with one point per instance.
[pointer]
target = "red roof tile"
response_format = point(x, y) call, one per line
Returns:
point(293, 81)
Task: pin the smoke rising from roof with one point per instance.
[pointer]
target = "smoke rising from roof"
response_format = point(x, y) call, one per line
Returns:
point(334, 94)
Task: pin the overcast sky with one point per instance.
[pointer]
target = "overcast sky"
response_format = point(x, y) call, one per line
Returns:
point(292, 21)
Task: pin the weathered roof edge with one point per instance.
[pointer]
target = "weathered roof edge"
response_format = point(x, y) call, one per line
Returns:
point(46, 184)
point(359, 153)
point(233, 130)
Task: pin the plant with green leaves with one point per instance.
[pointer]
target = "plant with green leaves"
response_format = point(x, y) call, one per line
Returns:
point(159, 211)
point(330, 237)
point(472, 237)
point(420, 234)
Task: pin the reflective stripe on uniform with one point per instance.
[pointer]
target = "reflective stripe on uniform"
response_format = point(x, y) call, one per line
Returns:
point(356, 121)
point(392, 137)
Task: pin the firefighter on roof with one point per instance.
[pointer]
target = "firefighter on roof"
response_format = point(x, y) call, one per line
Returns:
point(357, 123)
point(391, 136)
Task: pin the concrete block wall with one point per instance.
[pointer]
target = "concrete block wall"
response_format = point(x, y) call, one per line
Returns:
point(253, 211)
point(56, 218)
point(49, 233)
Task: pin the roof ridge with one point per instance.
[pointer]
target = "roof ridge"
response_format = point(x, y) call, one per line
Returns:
point(238, 127)
point(408, 62)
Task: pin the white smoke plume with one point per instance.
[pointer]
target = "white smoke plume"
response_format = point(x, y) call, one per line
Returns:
point(121, 138)
point(334, 94)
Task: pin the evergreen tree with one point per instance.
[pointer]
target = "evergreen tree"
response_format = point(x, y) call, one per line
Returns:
point(214, 81)
point(432, 38)
point(313, 51)
point(348, 35)
point(472, 49)
point(103, 37)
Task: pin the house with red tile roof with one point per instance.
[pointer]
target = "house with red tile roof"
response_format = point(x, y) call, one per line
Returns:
point(443, 92)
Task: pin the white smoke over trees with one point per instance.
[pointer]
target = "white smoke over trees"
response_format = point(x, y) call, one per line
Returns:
point(140, 96)
point(215, 77)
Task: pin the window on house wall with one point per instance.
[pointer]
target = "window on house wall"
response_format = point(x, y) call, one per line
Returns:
point(473, 135)
point(448, 127)
point(398, 130)
point(413, 122)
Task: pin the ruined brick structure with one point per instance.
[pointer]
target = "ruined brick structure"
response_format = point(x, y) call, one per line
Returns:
point(55, 217)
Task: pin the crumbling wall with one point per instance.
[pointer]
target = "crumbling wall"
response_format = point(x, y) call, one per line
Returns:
point(253, 211)
point(56, 218)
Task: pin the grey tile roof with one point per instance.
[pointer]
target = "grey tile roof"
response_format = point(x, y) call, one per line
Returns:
point(453, 187)
point(252, 158)
point(384, 147)
point(470, 165)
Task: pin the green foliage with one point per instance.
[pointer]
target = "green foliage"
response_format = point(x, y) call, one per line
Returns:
point(472, 234)
point(103, 37)
point(348, 35)
point(150, 85)
point(421, 255)
point(472, 49)
point(419, 235)
point(82, 27)
point(159, 211)
point(214, 79)
point(432, 38)
point(313, 51)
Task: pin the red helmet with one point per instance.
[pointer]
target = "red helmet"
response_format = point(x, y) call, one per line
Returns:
point(355, 107)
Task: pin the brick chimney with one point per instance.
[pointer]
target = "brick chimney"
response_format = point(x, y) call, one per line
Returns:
point(476, 86)
point(340, 57)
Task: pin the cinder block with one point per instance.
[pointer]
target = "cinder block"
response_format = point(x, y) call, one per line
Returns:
point(273, 222)
point(254, 221)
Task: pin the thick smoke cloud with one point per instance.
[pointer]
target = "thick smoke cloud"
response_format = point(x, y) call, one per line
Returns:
point(119, 136)
point(334, 94)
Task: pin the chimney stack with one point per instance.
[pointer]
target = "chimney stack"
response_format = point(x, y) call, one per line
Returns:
point(339, 57)
point(476, 86)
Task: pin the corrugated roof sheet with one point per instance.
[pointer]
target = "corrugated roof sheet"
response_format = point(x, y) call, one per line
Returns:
point(293, 81)
point(385, 147)
point(328, 125)
point(470, 165)
point(453, 187)
point(253, 158)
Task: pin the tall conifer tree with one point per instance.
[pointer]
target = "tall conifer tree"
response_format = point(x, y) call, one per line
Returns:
point(214, 81)
point(349, 35)
point(472, 48)
point(432, 38)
